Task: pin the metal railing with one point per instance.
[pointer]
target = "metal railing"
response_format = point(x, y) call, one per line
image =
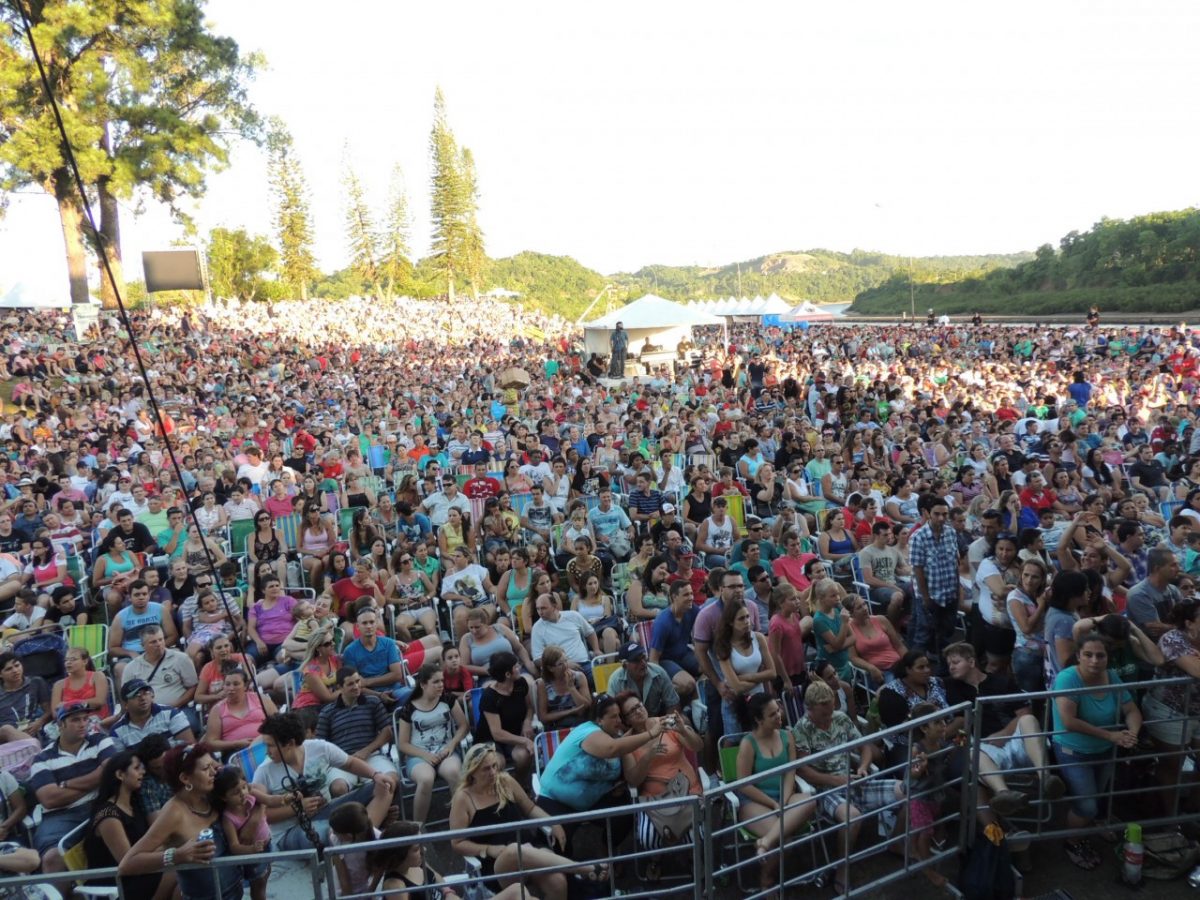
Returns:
point(69, 879)
point(530, 874)
point(1043, 826)
point(712, 854)
point(823, 827)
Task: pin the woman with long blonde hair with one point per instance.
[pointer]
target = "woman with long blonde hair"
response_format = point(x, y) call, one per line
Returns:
point(487, 795)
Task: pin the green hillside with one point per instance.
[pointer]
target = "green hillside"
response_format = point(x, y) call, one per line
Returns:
point(565, 286)
point(561, 284)
point(1149, 263)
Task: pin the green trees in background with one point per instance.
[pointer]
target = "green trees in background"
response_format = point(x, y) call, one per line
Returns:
point(395, 262)
point(293, 223)
point(1148, 263)
point(361, 236)
point(239, 263)
point(151, 100)
point(456, 242)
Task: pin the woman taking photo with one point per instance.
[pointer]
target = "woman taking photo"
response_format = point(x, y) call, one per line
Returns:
point(266, 544)
point(766, 746)
point(585, 772)
point(563, 695)
point(744, 658)
point(429, 730)
point(233, 722)
point(1088, 730)
point(188, 830)
point(118, 821)
point(651, 768)
point(488, 796)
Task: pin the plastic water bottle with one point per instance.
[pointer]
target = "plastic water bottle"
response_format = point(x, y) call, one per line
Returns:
point(1131, 866)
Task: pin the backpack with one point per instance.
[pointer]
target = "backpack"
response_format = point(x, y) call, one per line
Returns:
point(987, 872)
point(1168, 855)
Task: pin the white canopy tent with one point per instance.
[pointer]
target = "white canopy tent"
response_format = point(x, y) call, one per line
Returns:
point(807, 312)
point(652, 319)
point(25, 296)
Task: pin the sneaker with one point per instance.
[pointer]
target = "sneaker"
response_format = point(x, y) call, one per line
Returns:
point(1053, 787)
point(1008, 803)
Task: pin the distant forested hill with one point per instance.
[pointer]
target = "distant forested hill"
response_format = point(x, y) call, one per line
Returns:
point(1149, 263)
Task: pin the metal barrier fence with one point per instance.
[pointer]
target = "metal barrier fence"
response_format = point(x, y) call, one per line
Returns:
point(530, 854)
point(1165, 796)
point(838, 823)
point(712, 856)
point(69, 879)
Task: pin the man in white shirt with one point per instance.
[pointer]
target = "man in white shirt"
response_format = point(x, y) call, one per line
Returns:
point(536, 470)
point(254, 468)
point(568, 630)
point(438, 503)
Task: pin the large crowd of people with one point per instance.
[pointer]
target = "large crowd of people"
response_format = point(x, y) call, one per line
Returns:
point(383, 566)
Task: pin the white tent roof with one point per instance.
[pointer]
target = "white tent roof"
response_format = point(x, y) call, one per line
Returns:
point(806, 310)
point(25, 296)
point(652, 311)
point(774, 306)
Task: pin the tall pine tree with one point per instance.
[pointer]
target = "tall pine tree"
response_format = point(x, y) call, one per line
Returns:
point(396, 266)
point(457, 247)
point(474, 258)
point(360, 230)
point(293, 224)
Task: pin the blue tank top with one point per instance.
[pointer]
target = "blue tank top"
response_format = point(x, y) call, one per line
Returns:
point(133, 622)
point(576, 778)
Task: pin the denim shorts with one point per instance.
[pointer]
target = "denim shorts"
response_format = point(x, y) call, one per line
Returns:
point(1087, 776)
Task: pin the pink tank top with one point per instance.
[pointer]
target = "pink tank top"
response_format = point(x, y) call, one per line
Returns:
point(877, 650)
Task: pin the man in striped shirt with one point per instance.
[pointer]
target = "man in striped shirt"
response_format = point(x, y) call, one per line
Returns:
point(64, 778)
point(358, 724)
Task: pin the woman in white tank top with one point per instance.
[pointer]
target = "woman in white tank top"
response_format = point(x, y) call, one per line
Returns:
point(745, 663)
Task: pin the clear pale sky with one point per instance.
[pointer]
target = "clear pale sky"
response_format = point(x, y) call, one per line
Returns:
point(630, 133)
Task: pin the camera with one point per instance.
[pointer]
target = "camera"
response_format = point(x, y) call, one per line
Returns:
point(305, 787)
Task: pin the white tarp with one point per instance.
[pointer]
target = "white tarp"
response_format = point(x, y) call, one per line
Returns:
point(662, 322)
point(25, 296)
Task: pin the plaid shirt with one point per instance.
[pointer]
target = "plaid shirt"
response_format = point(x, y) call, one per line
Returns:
point(938, 556)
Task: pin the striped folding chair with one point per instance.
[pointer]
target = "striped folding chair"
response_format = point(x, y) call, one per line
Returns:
point(289, 527)
point(544, 745)
point(249, 759)
point(93, 638)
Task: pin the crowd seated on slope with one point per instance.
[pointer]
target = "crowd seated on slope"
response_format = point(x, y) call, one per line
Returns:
point(803, 531)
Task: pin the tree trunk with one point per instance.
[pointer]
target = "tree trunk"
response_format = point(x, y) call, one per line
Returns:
point(71, 217)
point(450, 288)
point(110, 235)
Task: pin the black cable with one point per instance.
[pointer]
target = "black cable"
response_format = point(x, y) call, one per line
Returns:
point(101, 251)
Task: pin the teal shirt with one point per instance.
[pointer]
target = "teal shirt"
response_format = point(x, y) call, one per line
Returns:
point(575, 777)
point(1102, 710)
point(822, 625)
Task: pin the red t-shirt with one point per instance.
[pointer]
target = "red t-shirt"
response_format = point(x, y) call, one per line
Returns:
point(483, 487)
point(346, 592)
